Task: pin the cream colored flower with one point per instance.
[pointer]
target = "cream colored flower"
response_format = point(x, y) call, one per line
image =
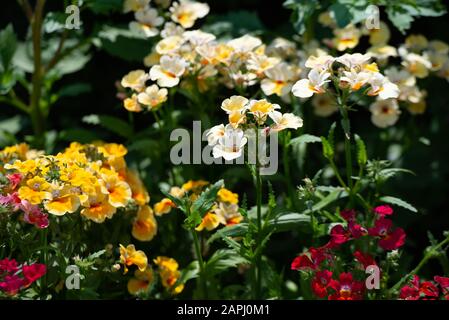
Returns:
point(171, 29)
point(261, 108)
point(382, 52)
point(416, 64)
point(234, 104)
point(382, 87)
point(260, 62)
point(186, 12)
point(385, 113)
point(320, 62)
point(169, 45)
point(355, 61)
point(131, 104)
point(324, 105)
point(279, 80)
point(236, 118)
point(379, 36)
point(315, 83)
point(356, 80)
point(215, 133)
point(151, 59)
point(230, 145)
point(169, 71)
point(198, 37)
point(147, 22)
point(346, 38)
point(285, 121)
point(416, 42)
point(153, 96)
point(135, 80)
point(245, 43)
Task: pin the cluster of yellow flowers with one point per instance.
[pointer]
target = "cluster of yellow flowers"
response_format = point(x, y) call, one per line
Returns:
point(143, 275)
point(225, 211)
point(92, 179)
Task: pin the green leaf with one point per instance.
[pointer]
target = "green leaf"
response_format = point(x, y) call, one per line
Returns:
point(111, 123)
point(328, 151)
point(192, 271)
point(305, 138)
point(236, 230)
point(303, 10)
point(233, 24)
point(8, 46)
point(398, 202)
point(361, 151)
point(180, 204)
point(337, 194)
point(207, 198)
point(78, 134)
point(75, 89)
point(342, 14)
point(288, 221)
point(222, 260)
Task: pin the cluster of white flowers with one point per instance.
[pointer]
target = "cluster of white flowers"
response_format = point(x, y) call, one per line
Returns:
point(228, 140)
point(149, 20)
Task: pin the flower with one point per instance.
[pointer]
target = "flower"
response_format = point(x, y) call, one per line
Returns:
point(186, 12)
point(309, 260)
point(33, 215)
point(130, 256)
point(228, 213)
point(138, 191)
point(315, 83)
point(145, 225)
point(379, 36)
point(346, 38)
point(214, 134)
point(383, 210)
point(153, 96)
point(230, 145)
point(324, 105)
point(285, 121)
point(384, 113)
point(278, 80)
point(225, 195)
point(62, 201)
point(163, 207)
point(132, 104)
point(444, 284)
point(416, 290)
point(36, 190)
point(389, 239)
point(168, 72)
point(382, 87)
point(141, 281)
point(8, 265)
point(169, 45)
point(244, 44)
point(261, 108)
point(321, 282)
point(209, 222)
point(135, 80)
point(234, 104)
point(134, 5)
point(169, 273)
point(346, 288)
point(98, 208)
point(118, 191)
point(147, 22)
point(11, 284)
point(364, 259)
point(33, 272)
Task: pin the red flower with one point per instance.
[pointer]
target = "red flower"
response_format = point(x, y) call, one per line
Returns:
point(347, 288)
point(444, 284)
point(389, 239)
point(321, 282)
point(383, 210)
point(14, 179)
point(11, 284)
point(339, 235)
point(365, 259)
point(348, 214)
point(33, 272)
point(34, 215)
point(416, 290)
point(309, 260)
point(356, 230)
point(8, 266)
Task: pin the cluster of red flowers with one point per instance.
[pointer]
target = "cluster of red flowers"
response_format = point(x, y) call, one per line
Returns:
point(425, 290)
point(345, 287)
point(15, 277)
point(32, 214)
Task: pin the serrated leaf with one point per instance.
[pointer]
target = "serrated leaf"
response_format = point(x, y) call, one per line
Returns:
point(207, 198)
point(236, 230)
point(305, 138)
point(328, 151)
point(222, 260)
point(192, 271)
point(398, 202)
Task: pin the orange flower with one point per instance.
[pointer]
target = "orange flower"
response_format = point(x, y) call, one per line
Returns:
point(145, 225)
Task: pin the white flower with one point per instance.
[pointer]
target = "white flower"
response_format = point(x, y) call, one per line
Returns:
point(198, 37)
point(382, 52)
point(245, 43)
point(230, 146)
point(169, 45)
point(356, 79)
point(171, 29)
point(260, 62)
point(215, 133)
point(315, 83)
point(169, 71)
point(234, 104)
point(153, 96)
point(285, 121)
point(416, 64)
point(281, 47)
point(382, 87)
point(278, 80)
point(135, 80)
point(147, 22)
point(385, 113)
point(346, 38)
point(324, 105)
point(354, 61)
point(186, 12)
point(321, 62)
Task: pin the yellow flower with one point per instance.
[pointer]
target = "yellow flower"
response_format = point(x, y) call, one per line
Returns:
point(151, 59)
point(168, 45)
point(418, 107)
point(113, 149)
point(194, 185)
point(138, 190)
point(36, 190)
point(166, 263)
point(118, 190)
point(141, 281)
point(416, 42)
point(98, 209)
point(145, 225)
point(169, 273)
point(131, 104)
point(210, 222)
point(130, 256)
point(153, 96)
point(261, 108)
point(177, 192)
point(234, 104)
point(236, 118)
point(224, 195)
point(63, 201)
point(24, 167)
point(164, 206)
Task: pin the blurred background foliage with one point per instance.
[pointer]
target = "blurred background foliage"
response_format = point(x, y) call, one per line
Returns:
point(84, 106)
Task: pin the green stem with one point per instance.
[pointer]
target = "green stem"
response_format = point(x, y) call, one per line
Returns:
point(287, 173)
point(37, 117)
point(257, 277)
point(429, 254)
point(201, 279)
point(44, 257)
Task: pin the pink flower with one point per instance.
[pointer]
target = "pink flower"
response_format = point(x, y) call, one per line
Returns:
point(12, 200)
point(383, 210)
point(11, 284)
point(8, 266)
point(33, 272)
point(14, 180)
point(34, 215)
